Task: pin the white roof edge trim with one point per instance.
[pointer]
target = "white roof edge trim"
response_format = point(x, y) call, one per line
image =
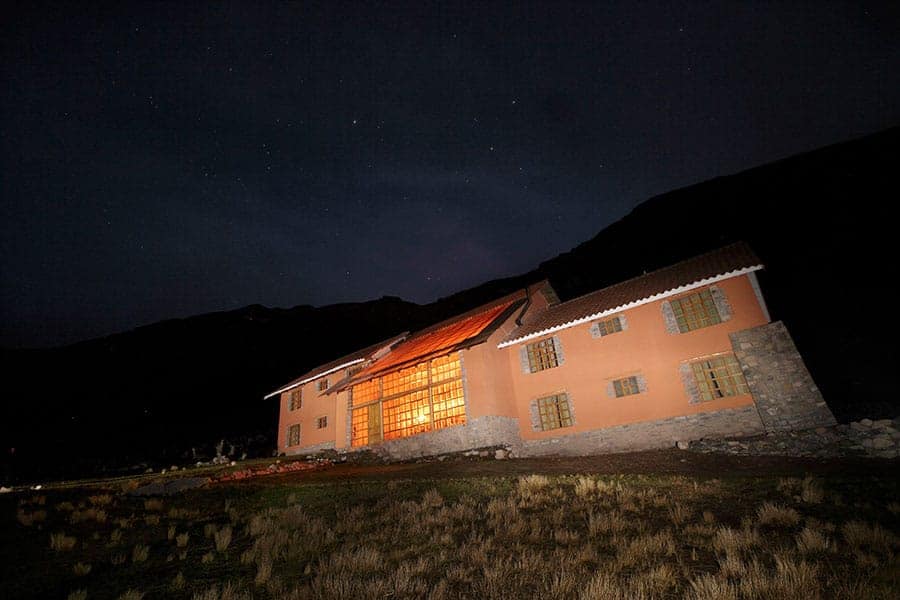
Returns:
point(316, 376)
point(666, 294)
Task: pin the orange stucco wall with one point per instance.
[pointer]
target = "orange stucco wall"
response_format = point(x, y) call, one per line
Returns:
point(489, 389)
point(315, 404)
point(646, 348)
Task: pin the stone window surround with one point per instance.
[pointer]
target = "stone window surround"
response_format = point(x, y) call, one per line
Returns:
point(535, 413)
point(720, 300)
point(596, 331)
point(641, 383)
point(690, 381)
point(525, 359)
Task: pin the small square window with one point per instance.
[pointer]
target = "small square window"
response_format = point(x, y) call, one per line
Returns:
point(323, 384)
point(321, 422)
point(608, 326)
point(626, 386)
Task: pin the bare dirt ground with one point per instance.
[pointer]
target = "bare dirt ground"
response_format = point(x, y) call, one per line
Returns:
point(655, 462)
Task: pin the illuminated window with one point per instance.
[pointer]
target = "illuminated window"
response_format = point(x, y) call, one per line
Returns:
point(321, 422)
point(424, 397)
point(293, 436)
point(604, 328)
point(323, 384)
point(626, 386)
point(695, 311)
point(554, 412)
point(542, 355)
point(296, 400)
point(719, 377)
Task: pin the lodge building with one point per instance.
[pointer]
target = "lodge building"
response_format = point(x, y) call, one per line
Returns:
point(684, 352)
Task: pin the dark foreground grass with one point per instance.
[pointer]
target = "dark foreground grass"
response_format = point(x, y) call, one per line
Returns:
point(528, 536)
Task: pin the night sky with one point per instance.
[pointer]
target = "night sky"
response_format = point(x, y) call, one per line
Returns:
point(161, 161)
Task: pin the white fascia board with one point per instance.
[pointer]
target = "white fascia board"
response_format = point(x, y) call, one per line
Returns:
point(317, 376)
point(660, 296)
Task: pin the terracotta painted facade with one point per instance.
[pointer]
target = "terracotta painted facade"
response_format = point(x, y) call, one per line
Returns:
point(628, 358)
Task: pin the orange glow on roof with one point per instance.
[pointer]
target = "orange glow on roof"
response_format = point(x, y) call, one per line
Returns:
point(432, 342)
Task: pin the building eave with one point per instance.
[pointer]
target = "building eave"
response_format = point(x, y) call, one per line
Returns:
point(646, 300)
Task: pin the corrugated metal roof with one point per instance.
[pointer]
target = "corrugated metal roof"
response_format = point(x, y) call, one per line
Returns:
point(458, 333)
point(732, 259)
point(347, 360)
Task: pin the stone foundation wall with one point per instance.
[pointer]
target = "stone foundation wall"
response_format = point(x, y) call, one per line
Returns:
point(482, 432)
point(784, 391)
point(311, 449)
point(664, 433)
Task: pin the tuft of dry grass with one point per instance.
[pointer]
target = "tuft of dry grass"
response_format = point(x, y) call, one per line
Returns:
point(131, 595)
point(89, 514)
point(680, 513)
point(208, 558)
point(872, 538)
point(811, 491)
point(153, 504)
point(775, 515)
point(100, 500)
point(812, 541)
point(117, 558)
point(77, 595)
point(709, 587)
point(432, 499)
point(222, 538)
point(181, 540)
point(139, 553)
point(151, 519)
point(229, 591)
point(28, 519)
point(62, 542)
point(65, 506)
point(178, 582)
point(735, 541)
point(81, 569)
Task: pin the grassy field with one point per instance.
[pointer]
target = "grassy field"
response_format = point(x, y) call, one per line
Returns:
point(523, 536)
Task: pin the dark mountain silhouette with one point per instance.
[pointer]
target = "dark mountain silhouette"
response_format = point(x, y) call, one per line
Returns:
point(822, 222)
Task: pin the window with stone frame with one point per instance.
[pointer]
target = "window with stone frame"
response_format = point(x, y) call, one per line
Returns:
point(554, 412)
point(606, 327)
point(293, 435)
point(296, 399)
point(626, 386)
point(719, 377)
point(695, 311)
point(323, 384)
point(321, 422)
point(542, 355)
